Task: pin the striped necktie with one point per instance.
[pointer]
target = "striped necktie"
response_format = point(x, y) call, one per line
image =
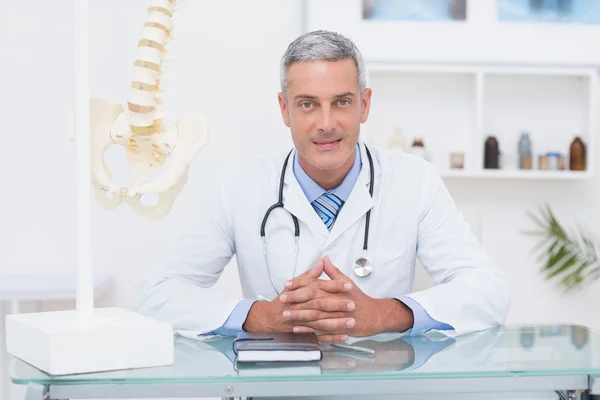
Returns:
point(328, 206)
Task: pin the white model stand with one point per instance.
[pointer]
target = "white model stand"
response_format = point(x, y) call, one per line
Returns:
point(65, 342)
point(87, 339)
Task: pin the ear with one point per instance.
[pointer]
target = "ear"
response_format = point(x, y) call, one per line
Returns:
point(284, 109)
point(365, 105)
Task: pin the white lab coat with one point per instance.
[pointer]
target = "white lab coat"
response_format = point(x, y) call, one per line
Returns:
point(412, 215)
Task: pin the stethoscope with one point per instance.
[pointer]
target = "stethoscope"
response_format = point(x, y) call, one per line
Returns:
point(362, 266)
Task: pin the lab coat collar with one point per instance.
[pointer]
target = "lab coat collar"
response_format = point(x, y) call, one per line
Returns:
point(358, 203)
point(296, 203)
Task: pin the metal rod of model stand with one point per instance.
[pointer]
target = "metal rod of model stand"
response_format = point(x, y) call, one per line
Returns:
point(81, 104)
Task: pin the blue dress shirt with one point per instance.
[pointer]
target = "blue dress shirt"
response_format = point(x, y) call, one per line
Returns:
point(422, 320)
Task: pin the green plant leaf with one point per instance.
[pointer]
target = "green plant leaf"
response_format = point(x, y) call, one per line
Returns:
point(569, 258)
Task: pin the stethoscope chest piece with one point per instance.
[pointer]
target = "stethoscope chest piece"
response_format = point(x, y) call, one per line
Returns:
point(363, 267)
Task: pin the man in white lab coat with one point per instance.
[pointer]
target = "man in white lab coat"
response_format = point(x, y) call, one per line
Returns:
point(335, 194)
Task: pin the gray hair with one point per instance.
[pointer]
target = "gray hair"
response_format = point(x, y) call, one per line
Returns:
point(322, 46)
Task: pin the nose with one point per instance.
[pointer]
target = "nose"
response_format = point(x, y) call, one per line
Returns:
point(326, 121)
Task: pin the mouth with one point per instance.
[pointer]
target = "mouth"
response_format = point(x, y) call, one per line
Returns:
point(327, 144)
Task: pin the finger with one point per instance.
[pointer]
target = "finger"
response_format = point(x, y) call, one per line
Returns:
point(310, 315)
point(337, 286)
point(306, 278)
point(314, 290)
point(332, 271)
point(304, 329)
point(299, 282)
point(317, 269)
point(334, 325)
point(301, 295)
point(326, 304)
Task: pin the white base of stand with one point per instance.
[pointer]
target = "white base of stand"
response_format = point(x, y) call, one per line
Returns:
point(66, 342)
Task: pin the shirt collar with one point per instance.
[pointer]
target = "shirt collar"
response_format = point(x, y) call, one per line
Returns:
point(313, 191)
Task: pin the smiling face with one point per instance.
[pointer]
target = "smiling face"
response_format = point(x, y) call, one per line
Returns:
point(323, 108)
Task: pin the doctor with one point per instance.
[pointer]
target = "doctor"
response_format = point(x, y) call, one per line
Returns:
point(326, 235)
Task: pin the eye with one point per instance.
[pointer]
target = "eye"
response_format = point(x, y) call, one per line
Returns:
point(306, 105)
point(344, 102)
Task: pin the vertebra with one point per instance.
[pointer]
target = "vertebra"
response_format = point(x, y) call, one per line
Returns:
point(140, 128)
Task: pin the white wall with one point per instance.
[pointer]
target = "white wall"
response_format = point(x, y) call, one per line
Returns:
point(227, 69)
point(37, 222)
point(37, 164)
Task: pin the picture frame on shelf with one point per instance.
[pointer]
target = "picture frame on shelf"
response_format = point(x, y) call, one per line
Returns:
point(421, 11)
point(573, 12)
point(481, 37)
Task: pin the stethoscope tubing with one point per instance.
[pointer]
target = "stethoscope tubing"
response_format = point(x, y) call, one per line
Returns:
point(296, 225)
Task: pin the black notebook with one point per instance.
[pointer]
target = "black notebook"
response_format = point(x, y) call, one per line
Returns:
point(264, 347)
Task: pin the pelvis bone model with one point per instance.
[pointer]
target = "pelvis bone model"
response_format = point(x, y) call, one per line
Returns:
point(140, 129)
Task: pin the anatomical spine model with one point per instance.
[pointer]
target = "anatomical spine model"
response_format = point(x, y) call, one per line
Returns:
point(140, 129)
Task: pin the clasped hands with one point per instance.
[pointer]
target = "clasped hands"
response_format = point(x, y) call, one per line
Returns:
point(335, 309)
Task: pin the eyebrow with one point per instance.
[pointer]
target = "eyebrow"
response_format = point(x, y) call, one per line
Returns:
point(309, 97)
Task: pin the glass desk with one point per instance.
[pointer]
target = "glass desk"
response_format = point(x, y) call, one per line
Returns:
point(562, 360)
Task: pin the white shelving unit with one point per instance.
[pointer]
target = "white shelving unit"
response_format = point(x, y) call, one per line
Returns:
point(517, 174)
point(454, 108)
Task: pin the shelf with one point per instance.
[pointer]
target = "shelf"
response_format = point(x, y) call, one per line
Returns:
point(517, 174)
point(454, 108)
point(523, 70)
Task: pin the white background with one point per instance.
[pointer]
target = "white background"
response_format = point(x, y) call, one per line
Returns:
point(228, 69)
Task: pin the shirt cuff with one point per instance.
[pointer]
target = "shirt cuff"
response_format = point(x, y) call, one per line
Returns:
point(423, 322)
point(235, 321)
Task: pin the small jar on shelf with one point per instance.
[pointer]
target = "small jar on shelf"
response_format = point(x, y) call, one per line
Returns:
point(553, 161)
point(457, 160)
point(418, 148)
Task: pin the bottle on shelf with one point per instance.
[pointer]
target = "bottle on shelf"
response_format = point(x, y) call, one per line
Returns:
point(577, 155)
point(398, 140)
point(491, 155)
point(524, 149)
point(418, 148)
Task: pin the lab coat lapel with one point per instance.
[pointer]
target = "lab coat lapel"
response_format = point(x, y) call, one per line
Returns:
point(297, 204)
point(359, 201)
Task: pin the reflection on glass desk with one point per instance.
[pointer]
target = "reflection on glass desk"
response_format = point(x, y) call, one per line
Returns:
point(504, 359)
